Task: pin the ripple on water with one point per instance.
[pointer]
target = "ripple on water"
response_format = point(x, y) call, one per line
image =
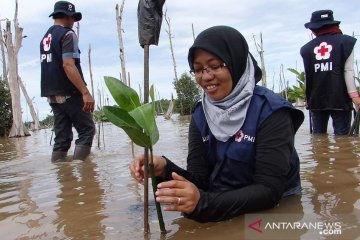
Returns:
point(98, 197)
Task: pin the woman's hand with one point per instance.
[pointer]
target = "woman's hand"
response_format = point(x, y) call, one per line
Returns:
point(181, 194)
point(356, 101)
point(137, 167)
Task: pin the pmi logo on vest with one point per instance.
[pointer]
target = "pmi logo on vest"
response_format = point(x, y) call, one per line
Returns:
point(240, 135)
point(323, 52)
point(290, 226)
point(46, 46)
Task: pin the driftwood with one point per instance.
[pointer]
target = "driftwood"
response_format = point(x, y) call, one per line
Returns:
point(284, 85)
point(90, 70)
point(260, 50)
point(160, 106)
point(34, 115)
point(126, 80)
point(168, 31)
point(169, 111)
point(18, 129)
point(193, 31)
point(121, 44)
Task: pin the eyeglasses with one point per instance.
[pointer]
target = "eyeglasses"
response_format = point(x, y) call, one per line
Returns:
point(198, 73)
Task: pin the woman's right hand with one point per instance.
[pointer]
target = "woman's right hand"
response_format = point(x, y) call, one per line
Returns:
point(356, 101)
point(137, 167)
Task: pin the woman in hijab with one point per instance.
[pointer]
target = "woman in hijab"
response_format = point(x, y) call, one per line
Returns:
point(241, 155)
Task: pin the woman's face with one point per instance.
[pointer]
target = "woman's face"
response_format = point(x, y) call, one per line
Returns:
point(217, 83)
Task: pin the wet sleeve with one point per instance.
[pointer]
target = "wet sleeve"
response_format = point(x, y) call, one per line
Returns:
point(274, 145)
point(70, 46)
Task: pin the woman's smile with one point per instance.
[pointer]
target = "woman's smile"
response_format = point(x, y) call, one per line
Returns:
point(210, 88)
point(215, 79)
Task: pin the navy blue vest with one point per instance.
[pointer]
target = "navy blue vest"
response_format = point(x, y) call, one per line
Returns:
point(234, 160)
point(53, 77)
point(324, 59)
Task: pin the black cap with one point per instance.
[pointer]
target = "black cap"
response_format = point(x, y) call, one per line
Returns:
point(67, 8)
point(321, 18)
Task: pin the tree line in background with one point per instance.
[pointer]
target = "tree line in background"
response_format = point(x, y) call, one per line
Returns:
point(187, 91)
point(5, 108)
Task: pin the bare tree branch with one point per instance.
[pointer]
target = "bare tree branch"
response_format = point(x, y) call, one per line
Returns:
point(168, 31)
point(119, 13)
point(260, 50)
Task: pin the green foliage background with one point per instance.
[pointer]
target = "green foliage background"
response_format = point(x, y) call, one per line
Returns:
point(48, 122)
point(5, 109)
point(187, 94)
point(297, 92)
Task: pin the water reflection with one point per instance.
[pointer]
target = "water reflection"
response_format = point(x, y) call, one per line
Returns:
point(12, 148)
point(97, 199)
point(80, 209)
point(335, 180)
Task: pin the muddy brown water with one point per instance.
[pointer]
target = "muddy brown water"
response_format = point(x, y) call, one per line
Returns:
point(97, 199)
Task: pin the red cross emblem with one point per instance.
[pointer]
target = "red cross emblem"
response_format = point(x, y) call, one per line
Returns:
point(239, 136)
point(47, 42)
point(323, 51)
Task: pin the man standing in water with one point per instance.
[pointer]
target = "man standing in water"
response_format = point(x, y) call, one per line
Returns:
point(329, 70)
point(63, 84)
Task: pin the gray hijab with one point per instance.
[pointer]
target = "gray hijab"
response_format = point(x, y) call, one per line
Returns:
point(226, 116)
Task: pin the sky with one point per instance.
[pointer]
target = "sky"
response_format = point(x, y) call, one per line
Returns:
point(280, 22)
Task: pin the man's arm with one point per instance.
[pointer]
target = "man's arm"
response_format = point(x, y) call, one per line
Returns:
point(74, 76)
point(70, 53)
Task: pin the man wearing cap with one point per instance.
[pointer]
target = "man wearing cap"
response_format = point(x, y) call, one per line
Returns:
point(329, 70)
point(63, 84)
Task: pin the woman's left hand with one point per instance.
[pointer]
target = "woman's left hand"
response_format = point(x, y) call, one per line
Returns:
point(181, 194)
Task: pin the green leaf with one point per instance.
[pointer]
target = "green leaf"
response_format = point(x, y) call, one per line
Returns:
point(120, 117)
point(139, 138)
point(302, 77)
point(145, 118)
point(154, 137)
point(152, 96)
point(294, 71)
point(124, 120)
point(301, 84)
point(125, 97)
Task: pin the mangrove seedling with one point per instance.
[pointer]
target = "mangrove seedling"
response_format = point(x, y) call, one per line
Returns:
point(138, 122)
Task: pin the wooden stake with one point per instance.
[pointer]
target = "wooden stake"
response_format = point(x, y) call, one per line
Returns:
point(146, 152)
